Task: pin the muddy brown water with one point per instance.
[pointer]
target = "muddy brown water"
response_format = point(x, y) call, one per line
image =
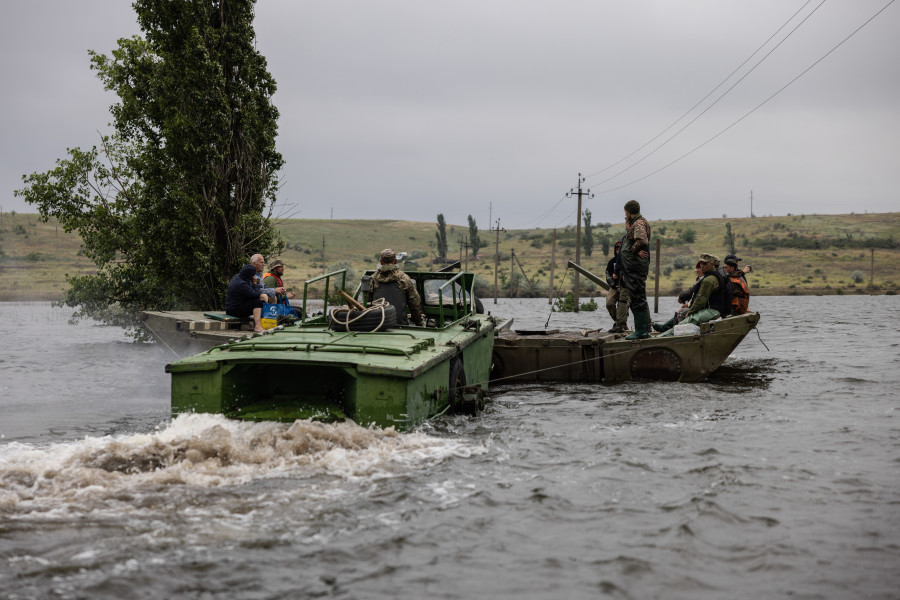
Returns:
point(777, 477)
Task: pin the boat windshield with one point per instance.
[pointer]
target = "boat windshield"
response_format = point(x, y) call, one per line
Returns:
point(433, 294)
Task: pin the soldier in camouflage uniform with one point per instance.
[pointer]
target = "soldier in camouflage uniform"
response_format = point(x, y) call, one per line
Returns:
point(636, 266)
point(389, 275)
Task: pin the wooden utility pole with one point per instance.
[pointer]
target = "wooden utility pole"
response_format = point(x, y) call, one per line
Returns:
point(656, 292)
point(552, 268)
point(323, 255)
point(512, 268)
point(872, 274)
point(496, 258)
point(464, 251)
point(580, 193)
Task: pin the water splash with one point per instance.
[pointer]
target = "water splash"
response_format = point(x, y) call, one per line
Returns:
point(201, 451)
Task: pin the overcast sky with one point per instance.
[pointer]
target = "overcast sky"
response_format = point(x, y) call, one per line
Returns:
point(402, 109)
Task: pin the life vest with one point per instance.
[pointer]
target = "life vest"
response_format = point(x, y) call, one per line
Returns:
point(720, 299)
point(279, 298)
point(390, 291)
point(277, 278)
point(740, 302)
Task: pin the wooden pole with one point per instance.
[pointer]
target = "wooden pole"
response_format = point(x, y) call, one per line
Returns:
point(656, 293)
point(512, 267)
point(872, 274)
point(552, 269)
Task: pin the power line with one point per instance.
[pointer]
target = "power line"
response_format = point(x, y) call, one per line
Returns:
point(757, 107)
point(730, 75)
point(716, 101)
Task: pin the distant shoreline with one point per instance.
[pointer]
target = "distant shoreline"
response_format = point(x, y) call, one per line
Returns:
point(23, 296)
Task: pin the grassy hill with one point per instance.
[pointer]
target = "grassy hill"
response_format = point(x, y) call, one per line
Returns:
point(794, 254)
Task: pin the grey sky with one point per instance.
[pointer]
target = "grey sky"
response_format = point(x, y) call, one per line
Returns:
point(405, 108)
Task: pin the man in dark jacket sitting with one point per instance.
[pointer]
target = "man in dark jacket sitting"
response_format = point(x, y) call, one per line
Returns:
point(243, 297)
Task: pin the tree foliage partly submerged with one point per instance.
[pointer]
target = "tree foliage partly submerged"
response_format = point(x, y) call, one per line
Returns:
point(172, 203)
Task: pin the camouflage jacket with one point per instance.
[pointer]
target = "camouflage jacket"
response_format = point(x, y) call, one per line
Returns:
point(637, 231)
point(393, 274)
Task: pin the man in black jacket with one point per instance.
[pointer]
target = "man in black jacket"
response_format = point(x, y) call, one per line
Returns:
point(243, 297)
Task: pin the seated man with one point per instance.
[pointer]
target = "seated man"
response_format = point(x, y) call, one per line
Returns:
point(243, 298)
point(713, 297)
point(395, 286)
point(685, 297)
point(272, 280)
point(258, 263)
point(740, 291)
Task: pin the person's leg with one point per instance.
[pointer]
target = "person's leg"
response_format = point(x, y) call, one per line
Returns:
point(621, 317)
point(611, 299)
point(639, 308)
point(257, 320)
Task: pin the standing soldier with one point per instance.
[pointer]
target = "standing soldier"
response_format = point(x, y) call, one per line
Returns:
point(635, 267)
point(617, 298)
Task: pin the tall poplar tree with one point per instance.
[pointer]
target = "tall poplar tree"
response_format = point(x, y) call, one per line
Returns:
point(587, 236)
point(474, 240)
point(172, 203)
point(441, 235)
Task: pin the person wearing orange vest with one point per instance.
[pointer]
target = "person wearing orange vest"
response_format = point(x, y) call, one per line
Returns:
point(272, 279)
point(740, 291)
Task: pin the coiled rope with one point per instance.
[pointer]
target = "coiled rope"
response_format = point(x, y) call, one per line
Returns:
point(379, 304)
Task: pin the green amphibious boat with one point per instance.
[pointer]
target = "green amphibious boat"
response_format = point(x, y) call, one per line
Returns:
point(350, 364)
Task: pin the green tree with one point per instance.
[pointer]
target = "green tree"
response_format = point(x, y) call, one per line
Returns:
point(688, 236)
point(474, 240)
point(172, 203)
point(729, 238)
point(587, 236)
point(604, 243)
point(441, 235)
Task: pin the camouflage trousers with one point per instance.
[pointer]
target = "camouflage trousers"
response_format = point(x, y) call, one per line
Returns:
point(617, 302)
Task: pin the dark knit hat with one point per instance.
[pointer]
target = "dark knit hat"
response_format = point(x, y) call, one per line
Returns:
point(633, 207)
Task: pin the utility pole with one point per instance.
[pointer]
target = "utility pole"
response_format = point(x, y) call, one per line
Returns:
point(323, 255)
point(580, 193)
point(464, 251)
point(751, 204)
point(512, 266)
point(496, 258)
point(872, 275)
point(552, 268)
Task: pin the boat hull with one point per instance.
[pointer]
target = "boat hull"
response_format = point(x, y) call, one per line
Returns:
point(597, 356)
point(395, 378)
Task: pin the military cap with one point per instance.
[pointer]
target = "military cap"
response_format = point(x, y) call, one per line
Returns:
point(275, 263)
point(731, 260)
point(704, 257)
point(633, 207)
point(388, 255)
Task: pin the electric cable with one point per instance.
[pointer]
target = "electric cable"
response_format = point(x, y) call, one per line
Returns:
point(757, 107)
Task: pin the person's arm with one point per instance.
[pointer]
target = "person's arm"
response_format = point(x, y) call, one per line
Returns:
point(641, 245)
point(701, 301)
point(413, 302)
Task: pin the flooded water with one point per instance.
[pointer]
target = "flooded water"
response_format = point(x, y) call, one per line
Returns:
point(778, 477)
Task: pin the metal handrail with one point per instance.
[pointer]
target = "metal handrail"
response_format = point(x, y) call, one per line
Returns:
point(327, 277)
